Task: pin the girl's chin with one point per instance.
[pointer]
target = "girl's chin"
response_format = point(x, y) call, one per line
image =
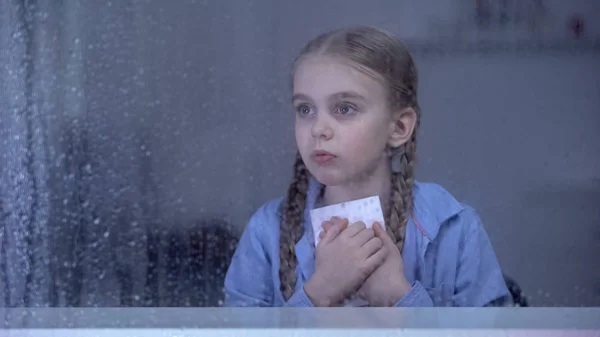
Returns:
point(328, 178)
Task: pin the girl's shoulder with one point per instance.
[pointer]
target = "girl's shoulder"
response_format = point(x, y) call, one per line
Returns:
point(263, 225)
point(435, 208)
point(462, 255)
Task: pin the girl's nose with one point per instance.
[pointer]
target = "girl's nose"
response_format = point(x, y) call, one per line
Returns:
point(321, 128)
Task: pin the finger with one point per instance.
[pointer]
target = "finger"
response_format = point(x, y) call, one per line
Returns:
point(371, 247)
point(376, 259)
point(339, 222)
point(345, 224)
point(326, 225)
point(332, 233)
point(363, 236)
point(354, 229)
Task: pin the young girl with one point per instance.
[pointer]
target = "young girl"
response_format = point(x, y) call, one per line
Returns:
point(355, 98)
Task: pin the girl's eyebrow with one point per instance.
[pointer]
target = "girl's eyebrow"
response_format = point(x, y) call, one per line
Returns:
point(348, 94)
point(300, 97)
point(342, 94)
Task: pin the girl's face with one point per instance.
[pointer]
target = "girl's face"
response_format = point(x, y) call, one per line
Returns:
point(343, 121)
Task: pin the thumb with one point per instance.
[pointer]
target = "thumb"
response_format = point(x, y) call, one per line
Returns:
point(382, 234)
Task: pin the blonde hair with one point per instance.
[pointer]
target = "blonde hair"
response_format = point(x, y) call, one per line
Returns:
point(385, 57)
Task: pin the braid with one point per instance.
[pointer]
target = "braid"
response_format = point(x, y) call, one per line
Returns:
point(291, 227)
point(401, 201)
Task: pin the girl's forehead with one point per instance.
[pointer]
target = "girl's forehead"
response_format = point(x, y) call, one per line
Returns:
point(323, 76)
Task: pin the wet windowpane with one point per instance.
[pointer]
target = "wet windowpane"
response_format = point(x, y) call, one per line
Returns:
point(137, 137)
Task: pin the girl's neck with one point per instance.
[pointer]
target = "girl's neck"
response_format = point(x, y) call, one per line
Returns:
point(377, 183)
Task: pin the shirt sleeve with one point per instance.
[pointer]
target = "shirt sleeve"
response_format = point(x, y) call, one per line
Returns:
point(249, 281)
point(299, 299)
point(417, 296)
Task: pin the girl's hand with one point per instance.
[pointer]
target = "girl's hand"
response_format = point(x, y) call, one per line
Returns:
point(345, 257)
point(387, 284)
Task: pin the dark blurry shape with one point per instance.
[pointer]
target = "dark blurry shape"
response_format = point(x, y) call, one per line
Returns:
point(516, 299)
point(509, 14)
point(483, 13)
point(576, 26)
point(183, 268)
point(504, 15)
point(194, 264)
point(518, 296)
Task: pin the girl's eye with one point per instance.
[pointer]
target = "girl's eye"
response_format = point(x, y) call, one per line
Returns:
point(346, 109)
point(304, 110)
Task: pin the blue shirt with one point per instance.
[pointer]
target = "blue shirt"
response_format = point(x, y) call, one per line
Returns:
point(447, 255)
